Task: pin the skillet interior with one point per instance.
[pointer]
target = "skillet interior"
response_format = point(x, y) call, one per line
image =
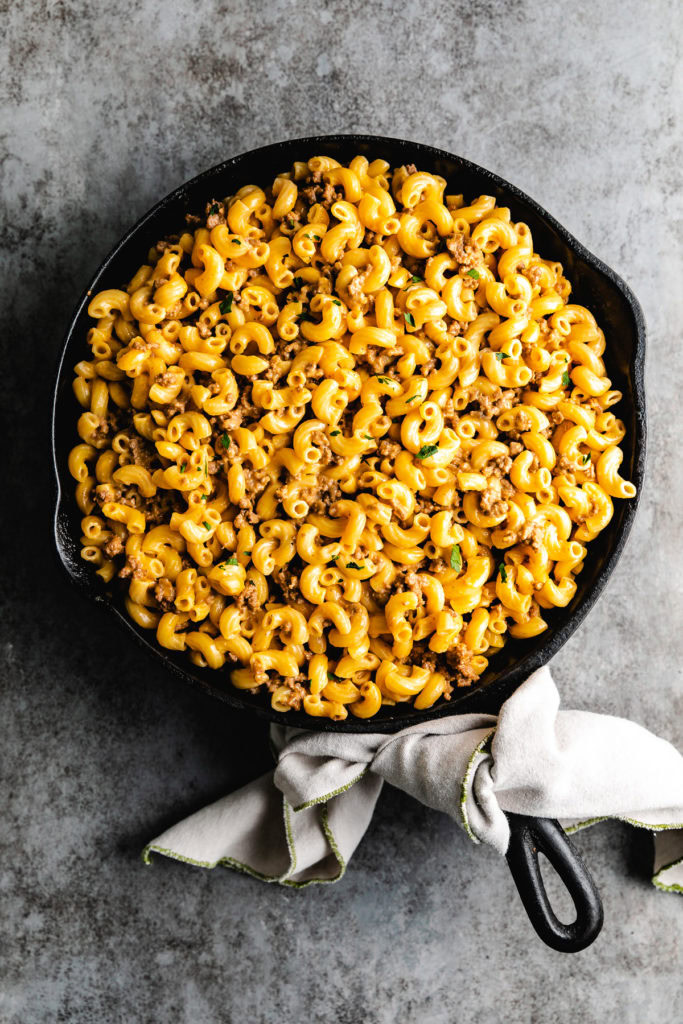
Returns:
point(594, 285)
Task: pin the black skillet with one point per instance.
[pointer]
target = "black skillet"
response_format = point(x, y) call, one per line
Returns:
point(618, 313)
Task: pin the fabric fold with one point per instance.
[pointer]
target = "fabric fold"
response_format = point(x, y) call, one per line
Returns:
point(302, 822)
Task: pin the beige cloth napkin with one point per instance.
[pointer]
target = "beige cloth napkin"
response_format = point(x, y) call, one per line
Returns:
point(302, 822)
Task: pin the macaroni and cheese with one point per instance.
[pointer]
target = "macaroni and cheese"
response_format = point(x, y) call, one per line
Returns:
point(344, 436)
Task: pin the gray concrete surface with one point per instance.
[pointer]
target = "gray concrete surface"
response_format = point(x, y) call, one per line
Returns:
point(106, 108)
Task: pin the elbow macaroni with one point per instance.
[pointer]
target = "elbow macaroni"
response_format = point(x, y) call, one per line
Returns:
point(344, 438)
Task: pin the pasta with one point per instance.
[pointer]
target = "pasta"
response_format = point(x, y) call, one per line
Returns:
point(344, 436)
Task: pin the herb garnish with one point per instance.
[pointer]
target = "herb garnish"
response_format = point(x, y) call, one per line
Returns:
point(456, 558)
point(368, 437)
point(384, 380)
point(214, 209)
point(565, 379)
point(336, 302)
point(298, 282)
point(331, 675)
point(207, 526)
point(226, 304)
point(231, 561)
point(409, 400)
point(225, 440)
point(333, 433)
point(410, 319)
point(503, 573)
point(473, 273)
point(353, 565)
point(183, 467)
point(427, 450)
point(586, 458)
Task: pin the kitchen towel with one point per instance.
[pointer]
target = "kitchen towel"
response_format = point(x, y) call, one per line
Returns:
point(301, 823)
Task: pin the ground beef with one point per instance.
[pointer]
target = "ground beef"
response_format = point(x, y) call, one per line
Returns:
point(491, 503)
point(134, 568)
point(492, 405)
point(287, 580)
point(99, 434)
point(165, 379)
point(323, 495)
point(114, 546)
point(532, 534)
point(499, 467)
point(142, 453)
point(178, 405)
point(325, 194)
point(249, 410)
point(248, 598)
point(464, 253)
point(389, 449)
point(231, 421)
point(164, 593)
point(377, 358)
point(460, 658)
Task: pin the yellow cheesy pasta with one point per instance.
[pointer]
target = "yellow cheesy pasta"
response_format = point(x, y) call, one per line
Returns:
point(344, 436)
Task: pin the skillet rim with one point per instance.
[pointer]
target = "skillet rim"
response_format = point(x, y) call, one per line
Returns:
point(482, 697)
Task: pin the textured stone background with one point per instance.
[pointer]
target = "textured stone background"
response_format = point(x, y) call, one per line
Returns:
point(108, 106)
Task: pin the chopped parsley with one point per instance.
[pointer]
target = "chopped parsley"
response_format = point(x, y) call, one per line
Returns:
point(565, 379)
point(225, 440)
point(331, 675)
point(290, 223)
point(333, 433)
point(415, 280)
point(307, 317)
point(214, 209)
point(456, 558)
point(183, 467)
point(384, 380)
point(503, 573)
point(426, 451)
point(231, 561)
point(226, 304)
point(473, 273)
point(500, 356)
point(336, 302)
point(586, 458)
point(204, 497)
point(207, 526)
point(354, 565)
point(236, 241)
point(368, 437)
point(410, 319)
point(409, 400)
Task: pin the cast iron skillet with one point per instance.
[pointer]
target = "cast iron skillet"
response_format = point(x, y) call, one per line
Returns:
point(618, 313)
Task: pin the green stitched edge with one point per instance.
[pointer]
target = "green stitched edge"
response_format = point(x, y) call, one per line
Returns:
point(674, 887)
point(335, 792)
point(463, 788)
point(620, 817)
point(223, 862)
point(289, 836)
point(333, 845)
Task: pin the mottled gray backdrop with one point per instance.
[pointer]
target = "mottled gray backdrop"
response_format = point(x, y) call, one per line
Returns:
point(106, 107)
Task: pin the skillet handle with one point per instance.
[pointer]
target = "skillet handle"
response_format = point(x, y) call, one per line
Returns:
point(528, 838)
